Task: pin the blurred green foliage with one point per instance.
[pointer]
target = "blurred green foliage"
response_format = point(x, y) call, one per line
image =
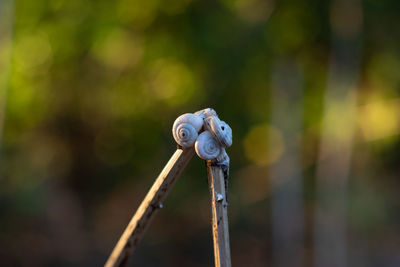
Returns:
point(92, 88)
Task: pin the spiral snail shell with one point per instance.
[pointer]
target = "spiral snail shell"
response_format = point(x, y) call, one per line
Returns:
point(208, 112)
point(206, 146)
point(220, 129)
point(186, 128)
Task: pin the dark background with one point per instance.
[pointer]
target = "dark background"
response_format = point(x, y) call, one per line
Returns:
point(89, 93)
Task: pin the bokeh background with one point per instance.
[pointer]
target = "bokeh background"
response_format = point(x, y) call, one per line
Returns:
point(89, 91)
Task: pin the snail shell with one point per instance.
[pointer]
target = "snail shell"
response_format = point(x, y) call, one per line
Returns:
point(206, 146)
point(223, 157)
point(223, 160)
point(205, 113)
point(186, 128)
point(220, 129)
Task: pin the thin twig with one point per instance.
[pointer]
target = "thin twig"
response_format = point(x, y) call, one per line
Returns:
point(149, 206)
point(219, 212)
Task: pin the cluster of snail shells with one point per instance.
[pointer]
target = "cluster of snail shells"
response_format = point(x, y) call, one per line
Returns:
point(203, 129)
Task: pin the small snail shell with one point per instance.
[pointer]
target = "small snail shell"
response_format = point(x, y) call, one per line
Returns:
point(186, 128)
point(220, 129)
point(206, 146)
point(226, 134)
point(223, 156)
point(206, 112)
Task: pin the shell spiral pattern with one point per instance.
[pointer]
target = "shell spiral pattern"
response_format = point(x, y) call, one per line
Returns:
point(206, 146)
point(185, 134)
point(185, 129)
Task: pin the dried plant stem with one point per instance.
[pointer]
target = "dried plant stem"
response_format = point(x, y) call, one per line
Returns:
point(149, 206)
point(219, 213)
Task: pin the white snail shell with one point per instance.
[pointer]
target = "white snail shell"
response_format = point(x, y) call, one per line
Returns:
point(206, 146)
point(223, 159)
point(208, 112)
point(223, 156)
point(220, 129)
point(186, 128)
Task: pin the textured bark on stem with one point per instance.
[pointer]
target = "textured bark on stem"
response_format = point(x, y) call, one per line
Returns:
point(219, 215)
point(149, 207)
